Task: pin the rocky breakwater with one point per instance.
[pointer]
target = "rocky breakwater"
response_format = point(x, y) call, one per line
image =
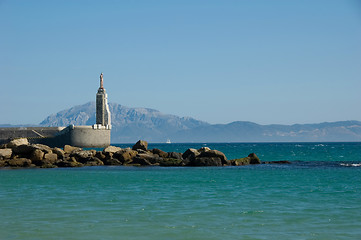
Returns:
point(19, 153)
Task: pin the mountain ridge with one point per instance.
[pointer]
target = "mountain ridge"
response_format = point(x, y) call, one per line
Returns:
point(132, 124)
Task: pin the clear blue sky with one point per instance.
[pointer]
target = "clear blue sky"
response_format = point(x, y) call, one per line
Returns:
point(218, 61)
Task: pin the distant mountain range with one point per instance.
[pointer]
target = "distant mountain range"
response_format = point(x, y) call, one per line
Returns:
point(128, 124)
point(131, 124)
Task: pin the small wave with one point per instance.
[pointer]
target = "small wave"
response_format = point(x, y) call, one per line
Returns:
point(351, 164)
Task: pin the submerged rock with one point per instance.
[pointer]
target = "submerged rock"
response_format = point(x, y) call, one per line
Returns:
point(251, 159)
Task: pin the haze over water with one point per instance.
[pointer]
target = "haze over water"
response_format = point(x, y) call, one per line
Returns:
point(316, 197)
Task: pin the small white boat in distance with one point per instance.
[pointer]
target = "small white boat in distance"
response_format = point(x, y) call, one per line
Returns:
point(168, 141)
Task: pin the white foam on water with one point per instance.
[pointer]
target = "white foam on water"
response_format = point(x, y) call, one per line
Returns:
point(351, 164)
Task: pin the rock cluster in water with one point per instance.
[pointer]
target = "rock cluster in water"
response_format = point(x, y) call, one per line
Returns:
point(19, 153)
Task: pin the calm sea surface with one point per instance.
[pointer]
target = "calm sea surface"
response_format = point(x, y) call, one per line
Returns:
point(318, 196)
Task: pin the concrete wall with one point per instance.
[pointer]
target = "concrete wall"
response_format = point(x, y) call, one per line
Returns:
point(28, 132)
point(87, 136)
point(79, 136)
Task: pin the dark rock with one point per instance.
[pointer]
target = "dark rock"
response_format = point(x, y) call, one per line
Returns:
point(93, 161)
point(19, 162)
point(142, 151)
point(112, 161)
point(149, 157)
point(3, 163)
point(141, 161)
point(277, 162)
point(160, 153)
point(175, 155)
point(254, 159)
point(71, 162)
point(190, 154)
point(141, 145)
point(168, 162)
point(23, 150)
point(206, 161)
point(48, 165)
point(101, 156)
point(214, 154)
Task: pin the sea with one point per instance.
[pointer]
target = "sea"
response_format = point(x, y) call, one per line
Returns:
point(317, 196)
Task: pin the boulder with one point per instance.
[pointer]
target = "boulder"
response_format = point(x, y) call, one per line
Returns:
point(160, 153)
point(70, 149)
point(83, 154)
point(42, 147)
point(149, 157)
point(60, 152)
point(50, 157)
point(46, 160)
point(23, 150)
point(214, 154)
point(37, 155)
point(125, 155)
point(111, 149)
point(141, 161)
point(140, 145)
point(206, 161)
point(19, 162)
point(191, 153)
point(170, 162)
point(18, 142)
point(175, 155)
point(6, 153)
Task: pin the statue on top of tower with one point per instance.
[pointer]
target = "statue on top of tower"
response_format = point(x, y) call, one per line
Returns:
point(101, 80)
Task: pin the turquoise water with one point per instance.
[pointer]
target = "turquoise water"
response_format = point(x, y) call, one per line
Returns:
point(318, 196)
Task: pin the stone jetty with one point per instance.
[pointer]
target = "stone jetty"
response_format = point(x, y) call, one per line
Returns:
point(19, 153)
